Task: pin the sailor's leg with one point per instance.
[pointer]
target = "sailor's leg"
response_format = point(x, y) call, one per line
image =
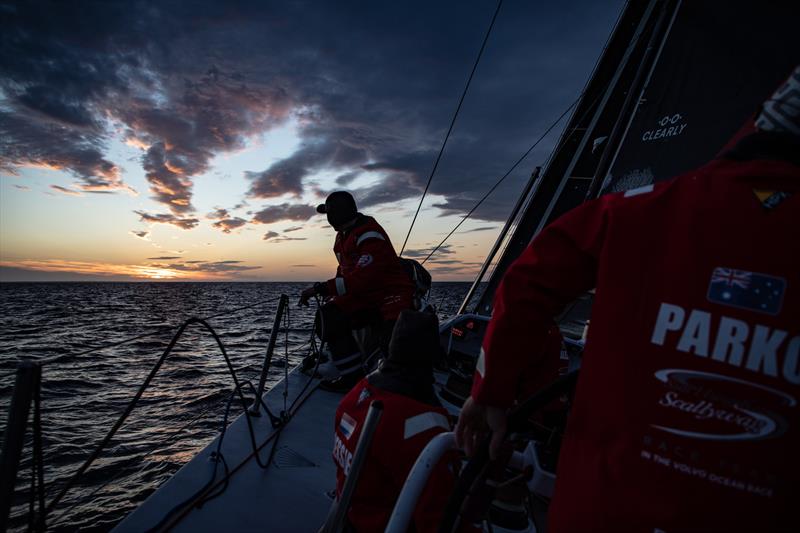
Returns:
point(334, 329)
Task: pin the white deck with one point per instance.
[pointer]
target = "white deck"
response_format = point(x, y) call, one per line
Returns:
point(290, 495)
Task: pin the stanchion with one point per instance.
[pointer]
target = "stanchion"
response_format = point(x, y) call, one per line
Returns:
point(27, 380)
point(273, 338)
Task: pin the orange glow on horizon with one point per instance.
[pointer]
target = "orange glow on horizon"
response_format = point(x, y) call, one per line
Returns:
point(138, 272)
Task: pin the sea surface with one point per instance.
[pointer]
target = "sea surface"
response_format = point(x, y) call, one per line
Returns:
point(83, 394)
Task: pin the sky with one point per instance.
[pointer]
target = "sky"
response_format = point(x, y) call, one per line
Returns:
point(192, 140)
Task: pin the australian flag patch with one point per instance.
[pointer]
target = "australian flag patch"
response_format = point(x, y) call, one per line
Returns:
point(747, 290)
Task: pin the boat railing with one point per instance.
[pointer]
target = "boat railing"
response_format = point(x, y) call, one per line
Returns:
point(27, 394)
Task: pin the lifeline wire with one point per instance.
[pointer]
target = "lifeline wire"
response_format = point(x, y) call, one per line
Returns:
point(134, 401)
point(452, 123)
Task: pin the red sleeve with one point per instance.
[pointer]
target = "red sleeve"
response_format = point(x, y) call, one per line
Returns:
point(373, 255)
point(558, 266)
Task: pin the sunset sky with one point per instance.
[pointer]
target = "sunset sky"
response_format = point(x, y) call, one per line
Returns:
point(191, 141)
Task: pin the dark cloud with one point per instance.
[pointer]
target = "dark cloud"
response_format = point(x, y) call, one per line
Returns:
point(206, 266)
point(189, 81)
point(347, 178)
point(164, 258)
point(22, 187)
point(65, 190)
point(285, 239)
point(140, 234)
point(163, 218)
point(218, 214)
point(445, 249)
point(482, 228)
point(28, 140)
point(229, 224)
point(274, 236)
point(293, 228)
point(276, 213)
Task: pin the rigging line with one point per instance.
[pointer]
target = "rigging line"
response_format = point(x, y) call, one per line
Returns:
point(510, 170)
point(152, 332)
point(135, 400)
point(452, 123)
point(566, 135)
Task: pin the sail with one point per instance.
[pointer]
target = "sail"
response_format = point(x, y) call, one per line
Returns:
point(710, 77)
point(691, 75)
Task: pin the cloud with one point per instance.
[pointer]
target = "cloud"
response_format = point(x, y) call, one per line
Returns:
point(285, 239)
point(141, 234)
point(347, 178)
point(21, 187)
point(208, 267)
point(229, 224)
point(303, 266)
point(54, 270)
point(482, 228)
point(164, 258)
point(421, 253)
point(276, 213)
point(218, 214)
point(64, 190)
point(274, 236)
point(163, 218)
point(293, 228)
point(187, 82)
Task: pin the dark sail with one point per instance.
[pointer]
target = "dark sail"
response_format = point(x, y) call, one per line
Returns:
point(665, 98)
point(711, 75)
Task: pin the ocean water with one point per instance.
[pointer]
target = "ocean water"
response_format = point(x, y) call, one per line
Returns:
point(83, 395)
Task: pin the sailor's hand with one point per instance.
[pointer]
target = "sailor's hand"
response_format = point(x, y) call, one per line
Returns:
point(306, 295)
point(475, 422)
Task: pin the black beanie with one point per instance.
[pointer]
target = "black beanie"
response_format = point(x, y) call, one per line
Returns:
point(340, 208)
point(415, 340)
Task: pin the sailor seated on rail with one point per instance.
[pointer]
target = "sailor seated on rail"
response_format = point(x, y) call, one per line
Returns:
point(685, 415)
point(369, 290)
point(412, 416)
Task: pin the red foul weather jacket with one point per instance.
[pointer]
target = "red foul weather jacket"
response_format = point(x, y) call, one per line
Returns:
point(686, 410)
point(369, 275)
point(405, 428)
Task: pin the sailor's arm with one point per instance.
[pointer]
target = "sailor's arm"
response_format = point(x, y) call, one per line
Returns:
point(554, 270)
point(558, 266)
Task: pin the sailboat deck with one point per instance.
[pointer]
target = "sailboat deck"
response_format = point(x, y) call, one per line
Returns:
point(292, 494)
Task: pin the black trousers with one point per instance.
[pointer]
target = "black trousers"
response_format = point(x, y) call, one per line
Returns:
point(357, 341)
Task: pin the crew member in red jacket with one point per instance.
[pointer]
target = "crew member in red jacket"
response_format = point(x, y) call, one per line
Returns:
point(412, 416)
point(369, 290)
point(685, 415)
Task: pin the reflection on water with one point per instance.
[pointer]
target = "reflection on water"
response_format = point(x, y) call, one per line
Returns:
point(181, 411)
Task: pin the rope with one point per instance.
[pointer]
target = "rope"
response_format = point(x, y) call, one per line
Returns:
point(510, 170)
point(452, 123)
point(134, 401)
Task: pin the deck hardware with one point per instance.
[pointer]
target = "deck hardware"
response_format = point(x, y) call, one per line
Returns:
point(283, 303)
